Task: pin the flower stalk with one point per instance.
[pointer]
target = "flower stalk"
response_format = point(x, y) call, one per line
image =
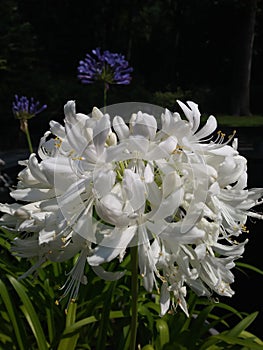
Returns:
point(134, 293)
point(106, 88)
point(25, 129)
point(25, 109)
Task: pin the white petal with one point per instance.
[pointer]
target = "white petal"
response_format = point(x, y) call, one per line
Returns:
point(192, 114)
point(112, 210)
point(70, 111)
point(111, 246)
point(169, 205)
point(233, 250)
point(83, 226)
point(164, 299)
point(96, 113)
point(103, 181)
point(32, 194)
point(100, 133)
point(148, 174)
point(196, 207)
point(121, 129)
point(208, 128)
point(145, 125)
point(171, 183)
point(57, 129)
point(108, 276)
point(36, 169)
point(134, 189)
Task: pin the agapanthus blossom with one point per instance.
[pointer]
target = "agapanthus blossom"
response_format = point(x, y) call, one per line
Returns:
point(111, 68)
point(24, 108)
point(177, 193)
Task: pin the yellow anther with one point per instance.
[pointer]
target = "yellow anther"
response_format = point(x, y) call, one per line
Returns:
point(58, 142)
point(244, 228)
point(178, 149)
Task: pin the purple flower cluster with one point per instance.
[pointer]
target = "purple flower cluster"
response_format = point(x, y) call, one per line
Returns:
point(111, 68)
point(24, 108)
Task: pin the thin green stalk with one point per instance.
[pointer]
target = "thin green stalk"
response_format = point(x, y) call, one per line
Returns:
point(106, 87)
point(24, 128)
point(134, 291)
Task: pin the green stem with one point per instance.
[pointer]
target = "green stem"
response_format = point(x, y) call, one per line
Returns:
point(24, 128)
point(105, 96)
point(134, 291)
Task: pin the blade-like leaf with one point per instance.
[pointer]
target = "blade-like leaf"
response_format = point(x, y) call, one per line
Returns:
point(30, 314)
point(11, 313)
point(198, 327)
point(242, 325)
point(70, 341)
point(77, 325)
point(246, 335)
point(163, 332)
point(221, 306)
point(250, 344)
point(250, 267)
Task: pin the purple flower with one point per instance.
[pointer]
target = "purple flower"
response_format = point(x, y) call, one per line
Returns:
point(24, 108)
point(111, 68)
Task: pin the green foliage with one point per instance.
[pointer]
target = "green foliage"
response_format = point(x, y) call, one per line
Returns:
point(168, 99)
point(237, 121)
point(31, 318)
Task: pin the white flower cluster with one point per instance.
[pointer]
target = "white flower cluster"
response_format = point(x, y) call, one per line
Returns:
point(102, 187)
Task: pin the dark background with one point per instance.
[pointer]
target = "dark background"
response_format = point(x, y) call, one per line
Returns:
point(186, 49)
point(191, 49)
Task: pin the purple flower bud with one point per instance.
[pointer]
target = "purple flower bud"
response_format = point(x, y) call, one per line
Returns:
point(111, 68)
point(24, 108)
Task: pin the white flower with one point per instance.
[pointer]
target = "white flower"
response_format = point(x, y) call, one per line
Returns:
point(177, 193)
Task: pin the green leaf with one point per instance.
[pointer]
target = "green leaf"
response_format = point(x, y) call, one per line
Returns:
point(221, 306)
point(242, 325)
point(30, 314)
point(75, 327)
point(5, 339)
point(245, 334)
point(70, 341)
point(49, 311)
point(105, 315)
point(144, 311)
point(4, 243)
point(163, 333)
point(250, 344)
point(71, 314)
point(199, 327)
point(250, 267)
point(11, 313)
point(116, 314)
point(153, 306)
